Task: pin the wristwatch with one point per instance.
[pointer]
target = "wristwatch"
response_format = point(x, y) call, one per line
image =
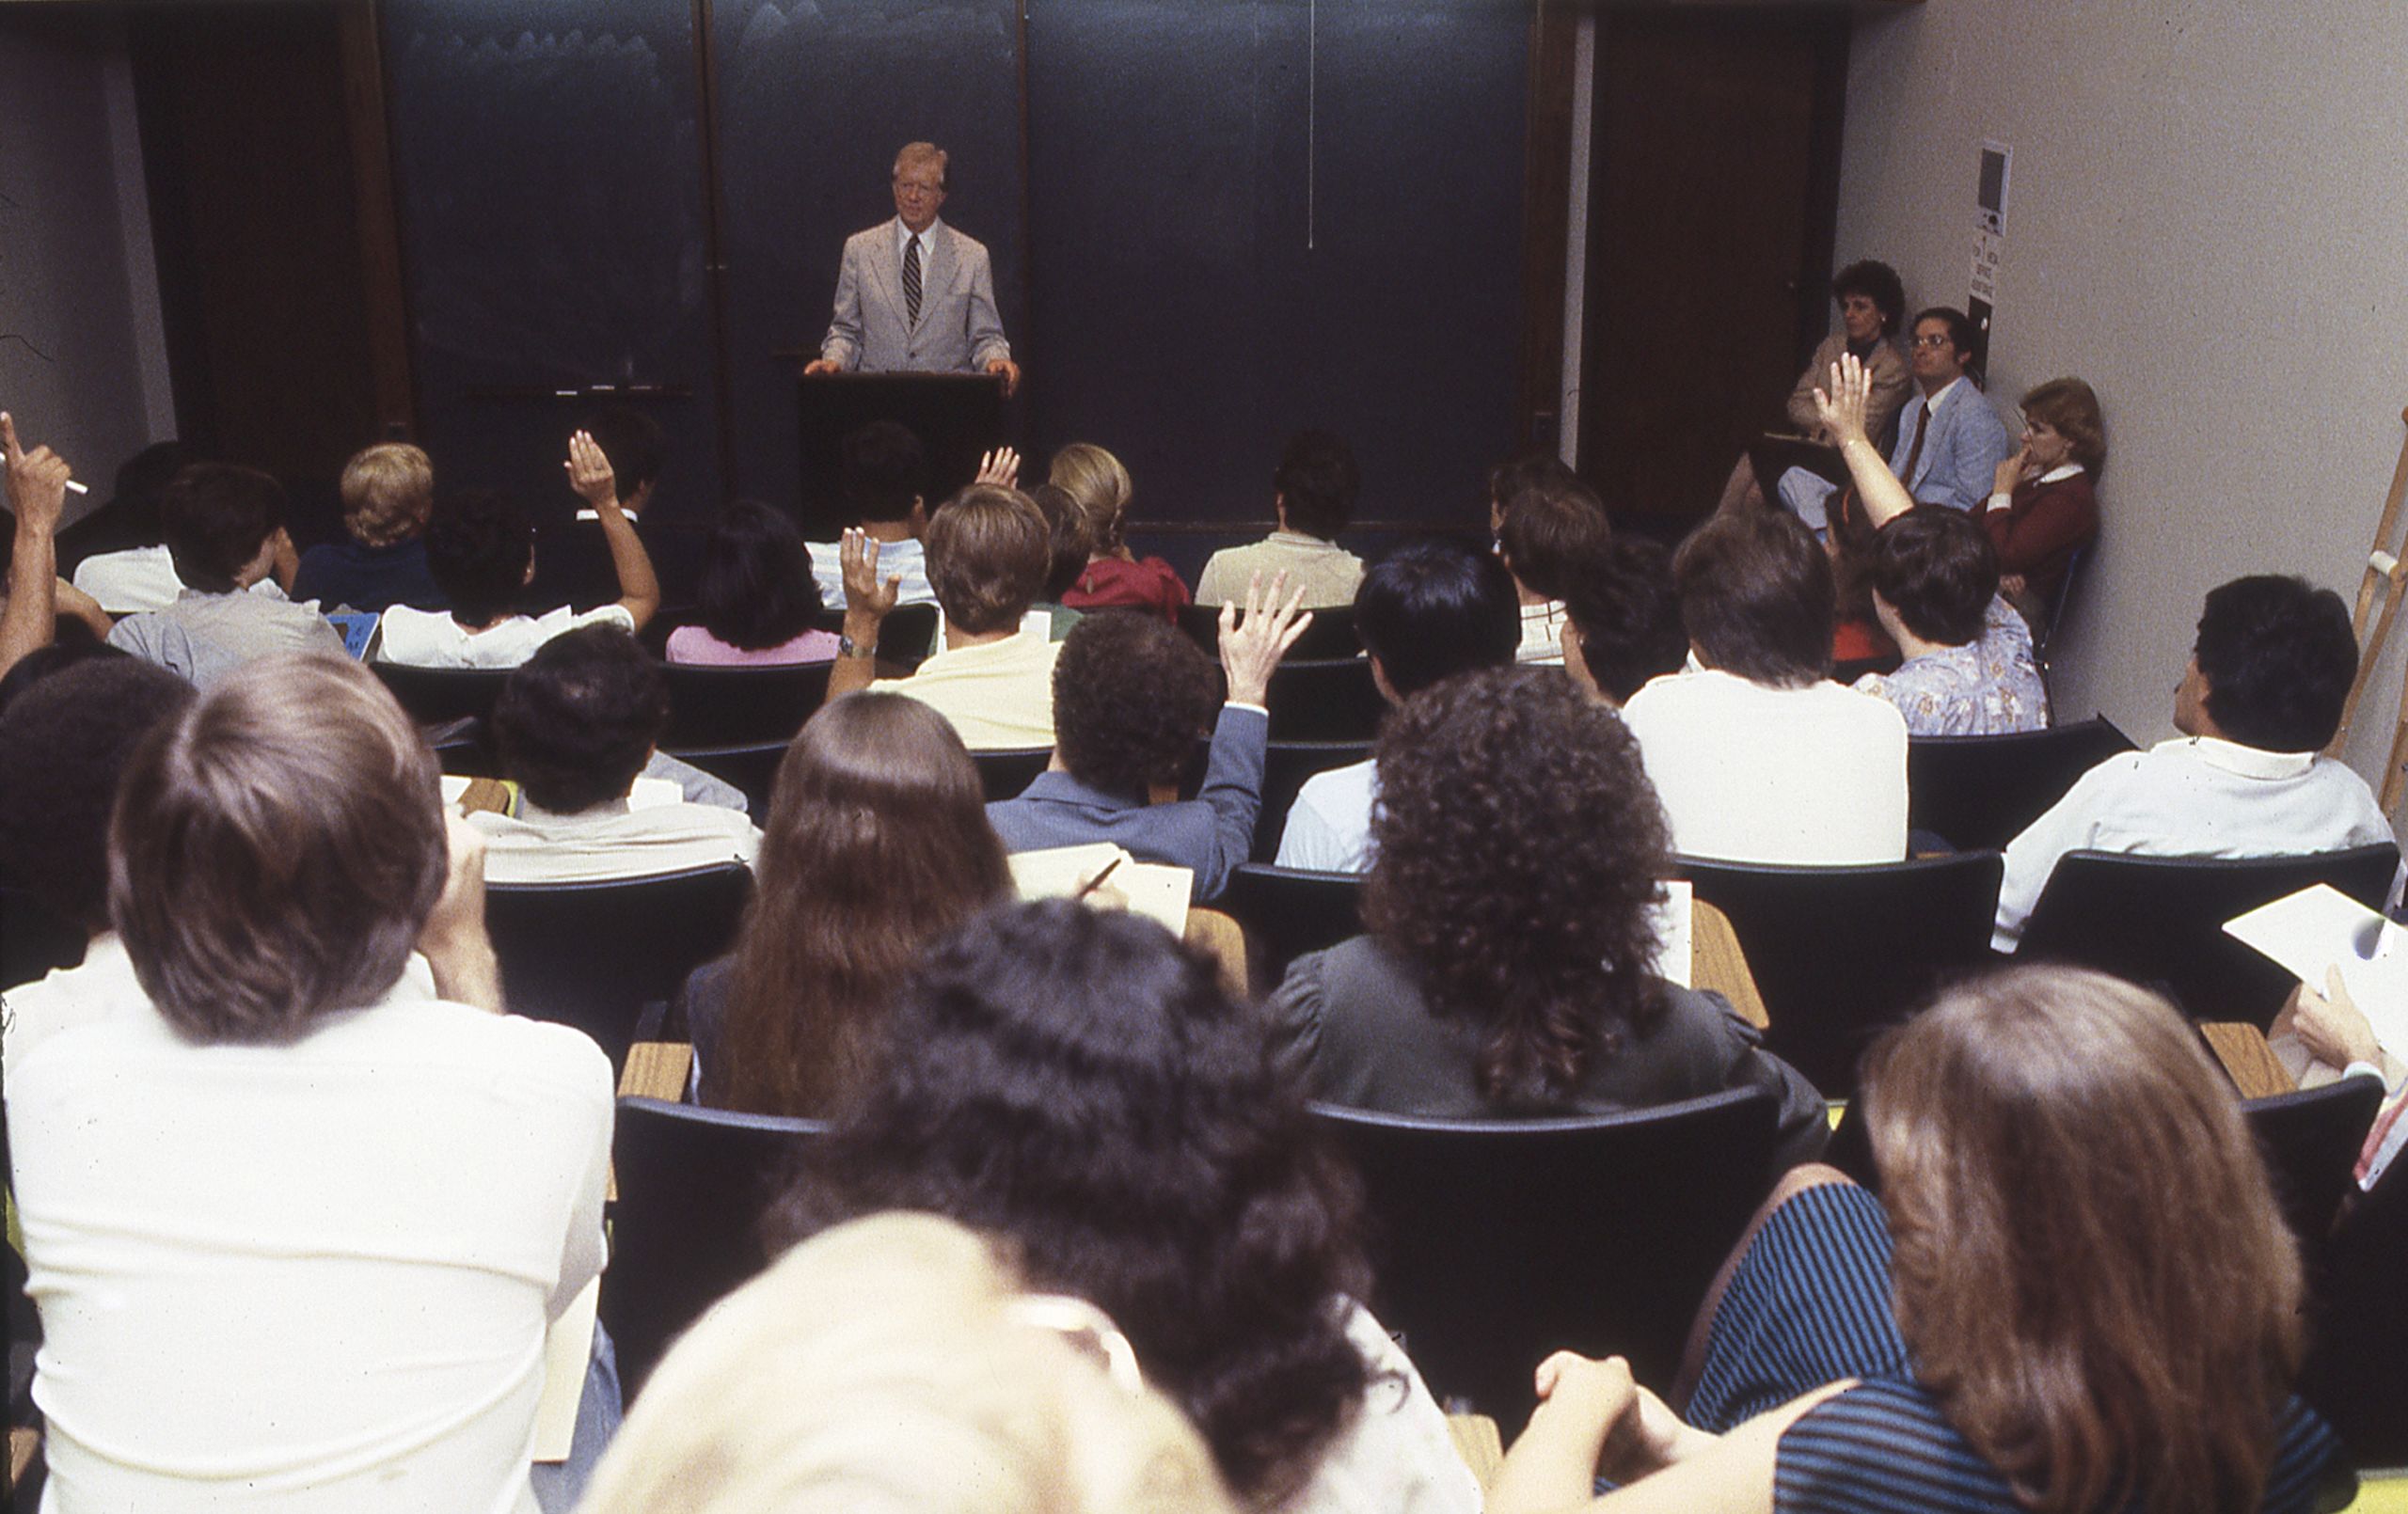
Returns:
point(847, 647)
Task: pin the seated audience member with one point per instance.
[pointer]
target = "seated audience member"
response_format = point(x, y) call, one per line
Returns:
point(63, 741)
point(876, 841)
point(224, 529)
point(987, 551)
point(318, 1168)
point(575, 725)
point(2262, 697)
point(1069, 535)
point(1113, 577)
point(1077, 1084)
point(883, 475)
point(1545, 526)
point(481, 552)
point(2044, 501)
point(2320, 1037)
point(1622, 620)
point(1950, 441)
point(577, 558)
point(1312, 497)
point(1872, 305)
point(387, 493)
point(1509, 968)
point(2013, 1324)
point(142, 574)
point(129, 519)
point(1757, 756)
point(757, 600)
point(898, 1363)
point(1427, 611)
point(1131, 697)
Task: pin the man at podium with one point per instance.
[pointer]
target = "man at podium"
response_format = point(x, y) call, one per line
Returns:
point(915, 295)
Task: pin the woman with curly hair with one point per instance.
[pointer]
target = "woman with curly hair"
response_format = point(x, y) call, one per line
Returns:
point(1518, 855)
point(1076, 1083)
point(2074, 1293)
point(876, 840)
point(1099, 485)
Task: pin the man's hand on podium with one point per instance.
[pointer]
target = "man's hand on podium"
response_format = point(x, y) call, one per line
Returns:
point(1005, 369)
point(822, 365)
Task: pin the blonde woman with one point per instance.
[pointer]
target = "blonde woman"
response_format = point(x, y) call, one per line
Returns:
point(1099, 486)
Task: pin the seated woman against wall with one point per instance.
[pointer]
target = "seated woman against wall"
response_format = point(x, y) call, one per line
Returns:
point(1873, 305)
point(757, 601)
point(876, 841)
point(2075, 1293)
point(1114, 576)
point(2044, 504)
point(1518, 858)
point(1077, 1084)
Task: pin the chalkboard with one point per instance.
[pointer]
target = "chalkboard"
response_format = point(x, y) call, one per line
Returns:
point(814, 98)
point(1251, 217)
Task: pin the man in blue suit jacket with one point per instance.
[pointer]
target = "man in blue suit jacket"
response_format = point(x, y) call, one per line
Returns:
point(916, 295)
point(1950, 441)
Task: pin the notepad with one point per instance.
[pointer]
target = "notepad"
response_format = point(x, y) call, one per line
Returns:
point(2321, 927)
point(1154, 889)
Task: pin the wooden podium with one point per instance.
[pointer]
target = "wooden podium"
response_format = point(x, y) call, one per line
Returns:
point(956, 416)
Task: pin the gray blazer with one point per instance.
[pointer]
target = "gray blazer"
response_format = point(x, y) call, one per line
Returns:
point(958, 330)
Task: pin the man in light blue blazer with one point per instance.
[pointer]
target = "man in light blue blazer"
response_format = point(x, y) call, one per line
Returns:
point(914, 295)
point(1950, 441)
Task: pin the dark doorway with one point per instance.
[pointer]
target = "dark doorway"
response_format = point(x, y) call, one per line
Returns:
point(1714, 189)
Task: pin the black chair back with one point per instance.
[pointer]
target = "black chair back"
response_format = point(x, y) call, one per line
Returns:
point(2158, 921)
point(1331, 700)
point(1287, 911)
point(686, 1229)
point(1496, 1242)
point(1981, 791)
point(33, 940)
point(1330, 636)
point(2310, 1140)
point(2353, 1375)
point(1839, 953)
point(753, 767)
point(1007, 770)
point(905, 637)
point(1286, 765)
point(434, 696)
point(593, 954)
point(2045, 643)
point(718, 707)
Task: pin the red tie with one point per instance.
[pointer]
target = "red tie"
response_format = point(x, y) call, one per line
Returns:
point(1914, 453)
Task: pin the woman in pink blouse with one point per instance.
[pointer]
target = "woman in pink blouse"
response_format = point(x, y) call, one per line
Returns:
point(758, 600)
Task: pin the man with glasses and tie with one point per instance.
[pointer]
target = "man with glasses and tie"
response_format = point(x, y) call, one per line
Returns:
point(1950, 441)
point(914, 294)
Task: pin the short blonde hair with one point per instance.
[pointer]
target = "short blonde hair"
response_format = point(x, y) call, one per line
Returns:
point(890, 1364)
point(1100, 486)
point(915, 153)
point(387, 493)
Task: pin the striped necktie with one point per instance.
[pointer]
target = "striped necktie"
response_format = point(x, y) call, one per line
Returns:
point(912, 280)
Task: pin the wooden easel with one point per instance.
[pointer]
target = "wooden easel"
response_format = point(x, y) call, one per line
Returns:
point(2387, 574)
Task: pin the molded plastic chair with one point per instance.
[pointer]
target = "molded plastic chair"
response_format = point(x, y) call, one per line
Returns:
point(1332, 700)
point(1840, 953)
point(1331, 635)
point(433, 696)
point(719, 707)
point(33, 940)
point(1287, 911)
point(2158, 921)
point(2045, 643)
point(1007, 770)
point(685, 1230)
point(1496, 1242)
point(2310, 1140)
point(593, 954)
point(1982, 791)
point(752, 767)
point(1286, 765)
point(2353, 1375)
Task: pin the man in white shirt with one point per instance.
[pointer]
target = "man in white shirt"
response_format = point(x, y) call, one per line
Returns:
point(884, 473)
point(1427, 611)
point(1757, 756)
point(225, 529)
point(575, 726)
point(1312, 497)
point(989, 552)
point(2259, 698)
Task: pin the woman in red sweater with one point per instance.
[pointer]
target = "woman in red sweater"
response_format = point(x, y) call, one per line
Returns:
point(1114, 576)
point(2045, 504)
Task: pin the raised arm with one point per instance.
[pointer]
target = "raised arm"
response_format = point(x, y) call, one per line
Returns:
point(1842, 410)
point(37, 497)
point(590, 474)
point(866, 604)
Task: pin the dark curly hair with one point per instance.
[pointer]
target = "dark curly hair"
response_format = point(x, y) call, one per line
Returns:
point(1076, 1080)
point(2279, 656)
point(1878, 282)
point(1130, 698)
point(478, 549)
point(1517, 849)
point(576, 721)
point(757, 589)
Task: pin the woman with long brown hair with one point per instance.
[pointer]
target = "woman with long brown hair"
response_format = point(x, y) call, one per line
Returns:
point(878, 840)
point(2074, 1293)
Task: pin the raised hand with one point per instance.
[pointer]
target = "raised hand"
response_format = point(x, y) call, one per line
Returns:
point(1000, 466)
point(857, 553)
point(1252, 646)
point(1841, 407)
point(590, 474)
point(36, 479)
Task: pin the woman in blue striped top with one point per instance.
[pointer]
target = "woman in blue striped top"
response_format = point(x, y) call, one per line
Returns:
point(2074, 1294)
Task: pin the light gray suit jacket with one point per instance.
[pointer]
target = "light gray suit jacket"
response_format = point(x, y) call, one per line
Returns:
point(958, 330)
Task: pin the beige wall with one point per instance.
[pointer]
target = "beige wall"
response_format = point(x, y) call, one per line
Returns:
point(2209, 220)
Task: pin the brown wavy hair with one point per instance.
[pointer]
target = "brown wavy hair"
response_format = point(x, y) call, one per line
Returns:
point(1518, 849)
point(2091, 1272)
point(878, 840)
point(2069, 407)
